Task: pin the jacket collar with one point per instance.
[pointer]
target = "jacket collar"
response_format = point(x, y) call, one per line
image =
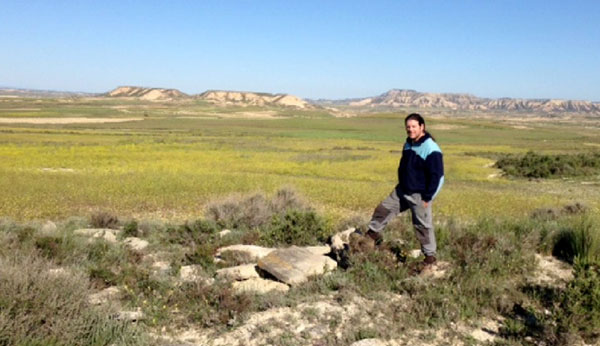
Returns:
point(420, 141)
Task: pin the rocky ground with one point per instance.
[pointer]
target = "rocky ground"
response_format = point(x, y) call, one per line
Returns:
point(321, 321)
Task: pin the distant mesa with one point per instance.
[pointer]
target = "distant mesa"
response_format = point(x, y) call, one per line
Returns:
point(151, 94)
point(252, 99)
point(394, 99)
point(219, 97)
point(397, 98)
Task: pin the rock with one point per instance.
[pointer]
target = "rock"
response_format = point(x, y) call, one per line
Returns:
point(161, 267)
point(319, 250)
point(342, 238)
point(259, 285)
point(416, 253)
point(369, 342)
point(437, 271)
point(192, 273)
point(224, 233)
point(130, 316)
point(108, 234)
point(293, 265)
point(239, 273)
point(136, 243)
point(48, 228)
point(251, 251)
point(104, 295)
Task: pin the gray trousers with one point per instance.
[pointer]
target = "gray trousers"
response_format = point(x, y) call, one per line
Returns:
point(421, 218)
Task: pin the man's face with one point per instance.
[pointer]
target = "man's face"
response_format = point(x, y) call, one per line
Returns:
point(414, 131)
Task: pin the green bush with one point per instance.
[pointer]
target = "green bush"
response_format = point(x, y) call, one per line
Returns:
point(191, 233)
point(296, 227)
point(532, 165)
point(579, 238)
point(580, 305)
point(130, 229)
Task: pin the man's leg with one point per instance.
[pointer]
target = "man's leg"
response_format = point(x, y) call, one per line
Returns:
point(385, 212)
point(423, 224)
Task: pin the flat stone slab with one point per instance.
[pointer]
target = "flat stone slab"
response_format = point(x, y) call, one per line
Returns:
point(320, 250)
point(252, 251)
point(108, 234)
point(239, 273)
point(259, 285)
point(295, 264)
point(136, 243)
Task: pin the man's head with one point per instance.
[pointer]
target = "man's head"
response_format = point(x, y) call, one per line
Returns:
point(415, 126)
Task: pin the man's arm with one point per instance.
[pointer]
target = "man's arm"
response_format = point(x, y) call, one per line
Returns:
point(434, 170)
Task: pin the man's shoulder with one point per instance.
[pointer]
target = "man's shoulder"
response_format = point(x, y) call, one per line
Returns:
point(429, 146)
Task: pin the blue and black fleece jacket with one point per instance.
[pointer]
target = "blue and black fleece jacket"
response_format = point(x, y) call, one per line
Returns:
point(421, 168)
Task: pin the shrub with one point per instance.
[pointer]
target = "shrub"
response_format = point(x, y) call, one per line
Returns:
point(579, 239)
point(130, 229)
point(580, 305)
point(41, 308)
point(285, 199)
point(253, 211)
point(191, 233)
point(236, 212)
point(532, 165)
point(296, 227)
point(104, 219)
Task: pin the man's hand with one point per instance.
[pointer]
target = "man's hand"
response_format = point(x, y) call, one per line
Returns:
point(425, 204)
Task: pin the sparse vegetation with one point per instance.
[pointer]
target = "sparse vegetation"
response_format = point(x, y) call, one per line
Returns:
point(41, 307)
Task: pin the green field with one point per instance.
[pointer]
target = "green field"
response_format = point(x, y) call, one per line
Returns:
point(169, 166)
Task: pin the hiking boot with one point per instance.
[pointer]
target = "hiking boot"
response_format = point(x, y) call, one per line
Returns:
point(429, 260)
point(377, 237)
point(425, 267)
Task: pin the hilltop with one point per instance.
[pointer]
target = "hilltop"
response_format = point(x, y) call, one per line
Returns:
point(151, 94)
point(252, 99)
point(218, 97)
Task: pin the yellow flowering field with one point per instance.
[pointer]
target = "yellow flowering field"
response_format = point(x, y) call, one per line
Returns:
point(171, 167)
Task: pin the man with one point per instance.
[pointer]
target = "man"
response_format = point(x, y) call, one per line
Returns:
point(420, 178)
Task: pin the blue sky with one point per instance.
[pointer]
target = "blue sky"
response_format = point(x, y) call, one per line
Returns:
point(312, 49)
